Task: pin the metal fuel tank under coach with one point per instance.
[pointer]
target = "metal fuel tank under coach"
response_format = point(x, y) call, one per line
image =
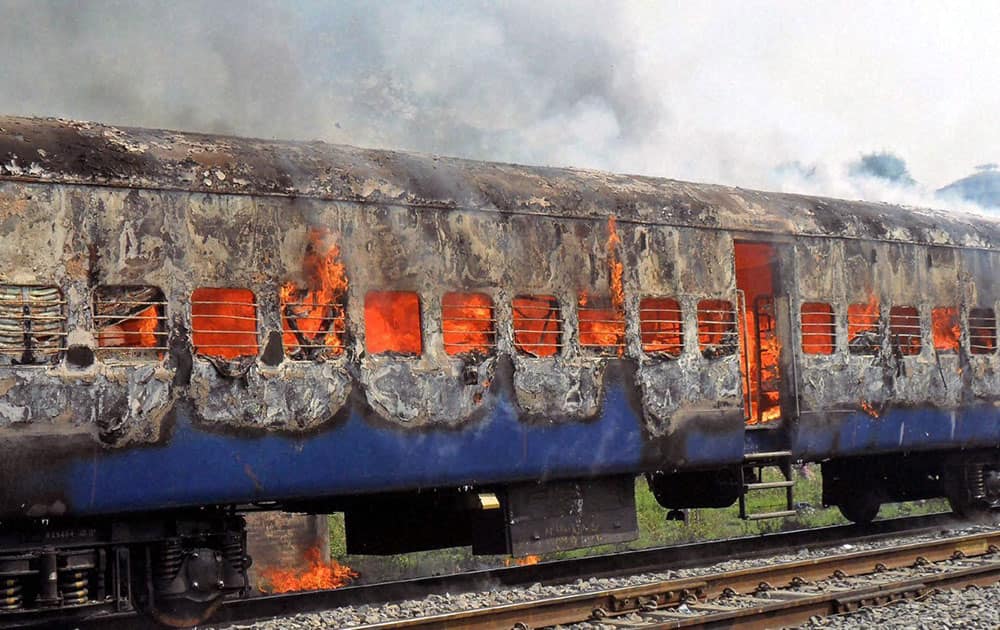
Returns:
point(450, 352)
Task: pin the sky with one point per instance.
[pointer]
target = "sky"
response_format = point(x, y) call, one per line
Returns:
point(771, 95)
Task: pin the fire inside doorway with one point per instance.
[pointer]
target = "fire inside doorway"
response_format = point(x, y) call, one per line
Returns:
point(756, 279)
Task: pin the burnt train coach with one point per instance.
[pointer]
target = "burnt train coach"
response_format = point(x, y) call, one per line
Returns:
point(450, 352)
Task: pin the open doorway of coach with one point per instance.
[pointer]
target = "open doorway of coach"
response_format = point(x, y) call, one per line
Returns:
point(757, 283)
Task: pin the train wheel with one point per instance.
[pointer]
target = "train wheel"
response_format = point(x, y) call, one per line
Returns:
point(973, 491)
point(860, 507)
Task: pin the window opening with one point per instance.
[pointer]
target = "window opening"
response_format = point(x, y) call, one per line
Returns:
point(863, 327)
point(904, 325)
point(392, 323)
point(819, 332)
point(32, 325)
point(661, 327)
point(945, 329)
point(313, 316)
point(755, 265)
point(131, 320)
point(467, 323)
point(982, 331)
point(537, 325)
point(602, 326)
point(224, 322)
point(716, 328)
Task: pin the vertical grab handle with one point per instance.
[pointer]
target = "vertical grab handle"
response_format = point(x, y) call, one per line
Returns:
point(741, 314)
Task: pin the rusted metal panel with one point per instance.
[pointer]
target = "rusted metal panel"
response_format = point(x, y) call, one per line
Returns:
point(89, 153)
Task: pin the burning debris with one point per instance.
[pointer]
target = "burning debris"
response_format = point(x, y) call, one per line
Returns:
point(870, 409)
point(321, 574)
point(526, 561)
point(312, 317)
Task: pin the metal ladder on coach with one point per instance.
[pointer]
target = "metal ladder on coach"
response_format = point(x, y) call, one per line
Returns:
point(782, 460)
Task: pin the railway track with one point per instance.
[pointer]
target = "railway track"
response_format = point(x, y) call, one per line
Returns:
point(774, 596)
point(548, 573)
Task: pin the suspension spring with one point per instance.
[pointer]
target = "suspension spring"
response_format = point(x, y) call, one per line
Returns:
point(976, 477)
point(74, 587)
point(169, 560)
point(232, 549)
point(11, 597)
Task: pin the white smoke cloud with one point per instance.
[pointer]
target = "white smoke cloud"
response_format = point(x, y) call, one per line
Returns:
point(719, 91)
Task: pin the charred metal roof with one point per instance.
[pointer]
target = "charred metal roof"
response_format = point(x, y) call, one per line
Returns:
point(53, 150)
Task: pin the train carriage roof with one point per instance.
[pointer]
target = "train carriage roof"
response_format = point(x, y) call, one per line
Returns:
point(53, 150)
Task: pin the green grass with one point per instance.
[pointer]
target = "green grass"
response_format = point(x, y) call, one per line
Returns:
point(654, 530)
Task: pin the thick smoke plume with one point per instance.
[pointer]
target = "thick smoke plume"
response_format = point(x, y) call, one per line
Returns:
point(780, 96)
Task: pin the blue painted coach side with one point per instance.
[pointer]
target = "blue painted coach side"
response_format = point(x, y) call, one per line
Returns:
point(199, 467)
point(897, 430)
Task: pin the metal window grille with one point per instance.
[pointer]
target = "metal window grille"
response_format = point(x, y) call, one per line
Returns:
point(130, 320)
point(717, 335)
point(661, 326)
point(392, 323)
point(945, 330)
point(537, 325)
point(224, 322)
point(312, 327)
point(602, 327)
point(863, 322)
point(982, 331)
point(904, 327)
point(467, 323)
point(32, 325)
point(819, 331)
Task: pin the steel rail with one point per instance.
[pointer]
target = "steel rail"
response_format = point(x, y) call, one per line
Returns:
point(554, 572)
point(650, 598)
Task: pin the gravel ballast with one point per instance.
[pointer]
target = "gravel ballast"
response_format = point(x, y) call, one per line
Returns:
point(965, 608)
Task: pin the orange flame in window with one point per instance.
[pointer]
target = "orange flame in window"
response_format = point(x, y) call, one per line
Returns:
point(862, 318)
point(320, 575)
point(944, 324)
point(537, 325)
point(138, 331)
point(467, 323)
point(392, 322)
point(819, 333)
point(661, 326)
point(313, 317)
point(224, 322)
point(601, 327)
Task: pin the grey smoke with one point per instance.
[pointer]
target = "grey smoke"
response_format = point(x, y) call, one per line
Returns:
point(476, 79)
